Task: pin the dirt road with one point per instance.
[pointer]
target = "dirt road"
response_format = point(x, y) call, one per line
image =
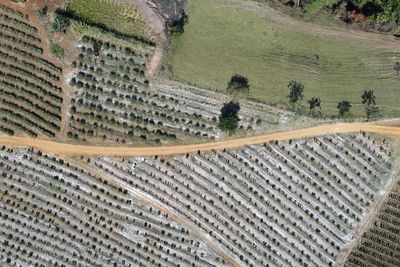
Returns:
point(158, 27)
point(69, 149)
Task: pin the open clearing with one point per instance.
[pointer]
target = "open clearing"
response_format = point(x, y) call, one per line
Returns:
point(224, 37)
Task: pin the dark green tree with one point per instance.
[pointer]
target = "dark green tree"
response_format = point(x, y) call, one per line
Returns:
point(344, 107)
point(229, 118)
point(238, 84)
point(372, 111)
point(178, 25)
point(397, 68)
point(296, 92)
point(314, 102)
point(60, 22)
point(368, 98)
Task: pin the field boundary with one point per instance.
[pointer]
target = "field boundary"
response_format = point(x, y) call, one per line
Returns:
point(87, 150)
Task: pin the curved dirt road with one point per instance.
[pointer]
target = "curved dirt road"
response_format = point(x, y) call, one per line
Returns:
point(83, 150)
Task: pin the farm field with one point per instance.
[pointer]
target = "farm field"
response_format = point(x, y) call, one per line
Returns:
point(105, 161)
point(380, 245)
point(285, 203)
point(30, 92)
point(225, 37)
point(113, 101)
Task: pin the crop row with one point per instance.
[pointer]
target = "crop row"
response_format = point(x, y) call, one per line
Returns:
point(274, 205)
point(30, 95)
point(12, 12)
point(113, 98)
point(24, 54)
point(380, 245)
point(19, 23)
point(30, 66)
point(54, 213)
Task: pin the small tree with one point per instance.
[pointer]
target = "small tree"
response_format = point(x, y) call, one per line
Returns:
point(60, 23)
point(238, 84)
point(397, 68)
point(368, 98)
point(296, 92)
point(229, 119)
point(178, 25)
point(371, 109)
point(344, 107)
point(314, 103)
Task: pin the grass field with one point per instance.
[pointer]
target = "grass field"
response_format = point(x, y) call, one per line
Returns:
point(221, 40)
point(121, 18)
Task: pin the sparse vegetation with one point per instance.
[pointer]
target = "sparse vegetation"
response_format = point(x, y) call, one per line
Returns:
point(57, 50)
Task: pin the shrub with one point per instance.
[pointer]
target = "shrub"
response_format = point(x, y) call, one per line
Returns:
point(57, 50)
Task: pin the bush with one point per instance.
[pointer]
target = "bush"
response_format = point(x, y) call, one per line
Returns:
point(60, 23)
point(57, 50)
point(238, 84)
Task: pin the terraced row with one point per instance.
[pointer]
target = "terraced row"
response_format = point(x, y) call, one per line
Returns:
point(30, 92)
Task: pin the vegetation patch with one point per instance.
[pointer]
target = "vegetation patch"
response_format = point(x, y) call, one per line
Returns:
point(220, 40)
point(111, 15)
point(57, 50)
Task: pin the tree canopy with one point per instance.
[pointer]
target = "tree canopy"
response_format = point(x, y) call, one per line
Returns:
point(397, 68)
point(296, 92)
point(368, 98)
point(60, 22)
point(238, 84)
point(229, 118)
point(314, 102)
point(344, 107)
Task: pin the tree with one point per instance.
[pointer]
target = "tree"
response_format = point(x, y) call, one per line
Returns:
point(371, 109)
point(178, 25)
point(229, 118)
point(344, 107)
point(368, 98)
point(296, 92)
point(314, 103)
point(229, 124)
point(397, 68)
point(60, 22)
point(238, 84)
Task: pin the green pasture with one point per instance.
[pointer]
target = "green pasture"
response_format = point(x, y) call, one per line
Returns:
point(222, 39)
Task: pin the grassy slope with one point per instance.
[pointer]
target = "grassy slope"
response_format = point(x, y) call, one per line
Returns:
point(115, 16)
point(219, 42)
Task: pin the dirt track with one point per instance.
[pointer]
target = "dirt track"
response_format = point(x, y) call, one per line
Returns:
point(69, 149)
point(157, 24)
